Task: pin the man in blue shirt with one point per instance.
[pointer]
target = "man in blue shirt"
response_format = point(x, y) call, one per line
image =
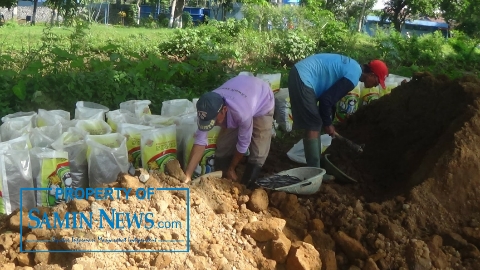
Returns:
point(325, 78)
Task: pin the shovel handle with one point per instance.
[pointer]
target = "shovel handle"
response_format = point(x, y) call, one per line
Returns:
point(351, 144)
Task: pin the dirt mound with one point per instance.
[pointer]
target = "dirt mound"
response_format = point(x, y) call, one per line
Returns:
point(235, 228)
point(230, 227)
point(424, 136)
point(414, 207)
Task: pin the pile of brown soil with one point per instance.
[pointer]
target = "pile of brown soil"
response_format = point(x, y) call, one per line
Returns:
point(424, 137)
point(414, 206)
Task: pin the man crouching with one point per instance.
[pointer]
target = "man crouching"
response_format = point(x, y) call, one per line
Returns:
point(243, 107)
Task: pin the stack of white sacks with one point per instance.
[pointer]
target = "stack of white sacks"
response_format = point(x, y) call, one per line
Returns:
point(48, 149)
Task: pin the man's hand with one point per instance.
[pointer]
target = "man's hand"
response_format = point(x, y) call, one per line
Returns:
point(195, 157)
point(187, 179)
point(330, 130)
point(230, 174)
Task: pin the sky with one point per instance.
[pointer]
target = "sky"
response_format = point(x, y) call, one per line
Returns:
point(379, 4)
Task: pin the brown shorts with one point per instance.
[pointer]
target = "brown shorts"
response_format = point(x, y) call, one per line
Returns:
point(259, 146)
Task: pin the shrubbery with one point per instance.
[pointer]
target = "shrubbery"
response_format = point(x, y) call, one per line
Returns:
point(197, 59)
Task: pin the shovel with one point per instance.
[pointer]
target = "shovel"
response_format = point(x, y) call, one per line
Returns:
point(335, 172)
point(355, 147)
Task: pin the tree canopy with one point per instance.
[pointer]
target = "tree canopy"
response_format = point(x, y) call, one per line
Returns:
point(464, 13)
point(8, 3)
point(397, 11)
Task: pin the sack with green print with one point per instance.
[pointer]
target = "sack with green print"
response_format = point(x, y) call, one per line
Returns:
point(137, 107)
point(121, 116)
point(15, 173)
point(186, 126)
point(52, 117)
point(273, 80)
point(20, 143)
point(21, 116)
point(17, 124)
point(283, 113)
point(390, 83)
point(158, 120)
point(348, 104)
point(194, 101)
point(158, 147)
point(367, 95)
point(52, 171)
point(69, 124)
point(133, 134)
point(94, 126)
point(73, 142)
point(86, 110)
point(107, 157)
point(44, 136)
point(176, 107)
point(206, 164)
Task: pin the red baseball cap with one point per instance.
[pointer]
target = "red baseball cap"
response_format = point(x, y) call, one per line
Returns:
point(380, 69)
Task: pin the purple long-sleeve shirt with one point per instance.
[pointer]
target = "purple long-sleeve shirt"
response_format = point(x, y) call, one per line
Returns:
point(246, 97)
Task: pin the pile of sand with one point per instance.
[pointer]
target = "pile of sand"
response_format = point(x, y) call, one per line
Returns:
point(425, 134)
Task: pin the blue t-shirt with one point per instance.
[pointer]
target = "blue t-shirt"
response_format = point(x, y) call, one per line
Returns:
point(321, 71)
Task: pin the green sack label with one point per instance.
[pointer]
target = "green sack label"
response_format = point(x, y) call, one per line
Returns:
point(158, 147)
point(388, 89)
point(347, 106)
point(133, 135)
point(134, 153)
point(207, 163)
point(55, 174)
point(368, 95)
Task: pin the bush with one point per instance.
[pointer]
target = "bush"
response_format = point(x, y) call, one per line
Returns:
point(294, 46)
point(183, 43)
point(63, 69)
point(230, 28)
point(187, 20)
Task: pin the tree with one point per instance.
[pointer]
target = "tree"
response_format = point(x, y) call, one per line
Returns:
point(356, 9)
point(8, 3)
point(464, 13)
point(344, 10)
point(176, 13)
point(397, 11)
point(34, 13)
point(362, 14)
point(225, 6)
point(68, 9)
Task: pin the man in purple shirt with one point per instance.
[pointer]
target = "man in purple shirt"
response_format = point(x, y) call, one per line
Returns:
point(243, 106)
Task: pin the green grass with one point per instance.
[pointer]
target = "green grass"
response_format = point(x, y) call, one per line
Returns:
point(20, 38)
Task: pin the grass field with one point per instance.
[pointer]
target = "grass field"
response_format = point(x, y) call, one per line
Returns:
point(15, 37)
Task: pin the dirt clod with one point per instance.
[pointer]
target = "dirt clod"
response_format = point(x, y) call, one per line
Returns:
point(269, 229)
point(303, 256)
point(162, 261)
point(352, 248)
point(418, 255)
point(280, 248)
point(79, 205)
point(329, 262)
point(174, 169)
point(258, 200)
point(130, 182)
